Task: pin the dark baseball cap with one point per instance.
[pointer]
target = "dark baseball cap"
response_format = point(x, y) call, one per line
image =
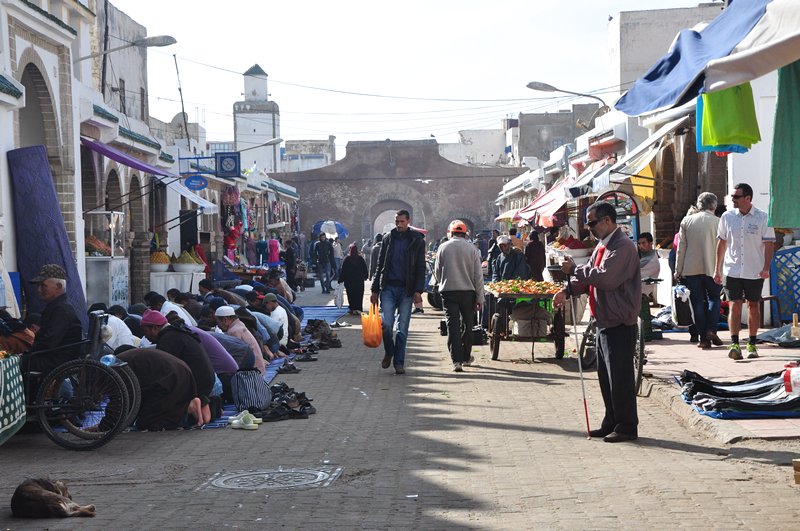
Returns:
point(49, 271)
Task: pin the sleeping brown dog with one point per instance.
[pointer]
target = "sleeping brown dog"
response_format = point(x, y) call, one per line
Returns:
point(42, 498)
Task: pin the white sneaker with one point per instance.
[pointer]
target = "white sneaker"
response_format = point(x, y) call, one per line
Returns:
point(457, 367)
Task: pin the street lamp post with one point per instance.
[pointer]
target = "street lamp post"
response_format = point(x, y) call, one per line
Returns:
point(544, 87)
point(147, 42)
point(270, 142)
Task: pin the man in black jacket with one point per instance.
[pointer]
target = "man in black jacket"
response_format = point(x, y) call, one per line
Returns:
point(184, 345)
point(373, 255)
point(322, 254)
point(60, 325)
point(398, 282)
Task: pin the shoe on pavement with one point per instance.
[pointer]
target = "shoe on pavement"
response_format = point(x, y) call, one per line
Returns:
point(245, 423)
point(387, 360)
point(399, 369)
point(598, 433)
point(714, 338)
point(457, 367)
point(615, 437)
point(752, 351)
point(704, 344)
point(735, 352)
point(469, 362)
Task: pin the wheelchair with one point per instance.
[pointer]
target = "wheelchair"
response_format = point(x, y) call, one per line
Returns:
point(83, 403)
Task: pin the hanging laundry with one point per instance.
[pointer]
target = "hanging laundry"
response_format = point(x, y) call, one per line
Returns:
point(729, 117)
point(702, 146)
point(784, 183)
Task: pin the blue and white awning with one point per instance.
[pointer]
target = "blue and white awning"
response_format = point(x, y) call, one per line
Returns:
point(749, 39)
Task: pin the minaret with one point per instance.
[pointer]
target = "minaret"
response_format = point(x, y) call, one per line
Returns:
point(255, 121)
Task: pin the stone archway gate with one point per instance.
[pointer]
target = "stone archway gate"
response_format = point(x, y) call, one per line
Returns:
point(378, 173)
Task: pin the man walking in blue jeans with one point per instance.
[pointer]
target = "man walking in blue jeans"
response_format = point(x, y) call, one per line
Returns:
point(694, 266)
point(398, 282)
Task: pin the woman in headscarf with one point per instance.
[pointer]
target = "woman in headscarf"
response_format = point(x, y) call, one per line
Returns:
point(354, 274)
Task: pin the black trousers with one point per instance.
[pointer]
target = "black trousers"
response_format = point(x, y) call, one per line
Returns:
point(616, 347)
point(459, 309)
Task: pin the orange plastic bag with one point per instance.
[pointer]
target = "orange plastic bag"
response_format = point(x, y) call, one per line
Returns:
point(371, 327)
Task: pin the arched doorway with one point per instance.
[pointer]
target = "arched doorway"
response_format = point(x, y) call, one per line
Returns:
point(381, 215)
point(39, 125)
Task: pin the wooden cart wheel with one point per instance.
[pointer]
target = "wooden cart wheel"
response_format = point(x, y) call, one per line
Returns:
point(494, 335)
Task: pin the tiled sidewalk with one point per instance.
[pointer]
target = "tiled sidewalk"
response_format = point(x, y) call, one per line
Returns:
point(668, 357)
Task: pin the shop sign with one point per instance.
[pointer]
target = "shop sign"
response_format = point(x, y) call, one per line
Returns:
point(195, 182)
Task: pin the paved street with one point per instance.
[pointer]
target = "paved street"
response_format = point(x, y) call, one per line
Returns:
point(500, 446)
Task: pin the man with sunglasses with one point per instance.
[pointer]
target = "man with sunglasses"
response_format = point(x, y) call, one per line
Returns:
point(612, 278)
point(744, 253)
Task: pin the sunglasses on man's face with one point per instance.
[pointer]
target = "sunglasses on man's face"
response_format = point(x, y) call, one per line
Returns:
point(595, 222)
point(734, 196)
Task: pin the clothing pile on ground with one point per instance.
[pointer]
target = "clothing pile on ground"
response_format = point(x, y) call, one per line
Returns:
point(758, 397)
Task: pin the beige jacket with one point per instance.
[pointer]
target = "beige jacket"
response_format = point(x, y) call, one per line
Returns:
point(698, 245)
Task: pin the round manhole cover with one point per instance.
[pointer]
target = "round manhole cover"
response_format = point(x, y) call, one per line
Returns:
point(293, 478)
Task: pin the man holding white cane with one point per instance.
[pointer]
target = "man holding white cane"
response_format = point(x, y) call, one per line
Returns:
point(613, 280)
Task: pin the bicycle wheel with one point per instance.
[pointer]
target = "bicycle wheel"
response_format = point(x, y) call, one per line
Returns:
point(82, 404)
point(588, 350)
point(639, 358)
point(494, 339)
point(134, 392)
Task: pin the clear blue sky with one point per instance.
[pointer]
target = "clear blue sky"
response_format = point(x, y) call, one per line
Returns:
point(371, 70)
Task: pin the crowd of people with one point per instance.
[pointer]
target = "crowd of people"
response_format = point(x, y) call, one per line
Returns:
point(184, 348)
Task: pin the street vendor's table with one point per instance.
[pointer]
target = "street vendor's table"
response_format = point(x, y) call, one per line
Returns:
point(12, 398)
point(499, 329)
point(186, 282)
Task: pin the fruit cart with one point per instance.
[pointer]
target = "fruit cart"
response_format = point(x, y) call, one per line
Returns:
point(506, 298)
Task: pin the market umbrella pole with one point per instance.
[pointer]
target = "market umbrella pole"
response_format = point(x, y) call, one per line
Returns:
point(577, 349)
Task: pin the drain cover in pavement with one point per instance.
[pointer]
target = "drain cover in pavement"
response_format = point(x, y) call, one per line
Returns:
point(290, 478)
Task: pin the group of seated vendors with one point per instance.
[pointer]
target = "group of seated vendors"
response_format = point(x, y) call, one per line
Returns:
point(183, 348)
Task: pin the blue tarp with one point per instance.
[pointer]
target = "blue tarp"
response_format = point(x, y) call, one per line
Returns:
point(678, 76)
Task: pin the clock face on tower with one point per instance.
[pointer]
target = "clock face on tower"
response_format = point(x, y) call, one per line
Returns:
point(227, 164)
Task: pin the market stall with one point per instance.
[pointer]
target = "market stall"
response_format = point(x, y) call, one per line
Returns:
point(522, 310)
point(106, 264)
point(183, 273)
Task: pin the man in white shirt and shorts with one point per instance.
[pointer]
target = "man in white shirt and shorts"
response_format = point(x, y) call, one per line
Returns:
point(744, 254)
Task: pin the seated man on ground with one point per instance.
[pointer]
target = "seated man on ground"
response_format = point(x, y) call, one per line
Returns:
point(169, 395)
point(184, 345)
point(60, 326)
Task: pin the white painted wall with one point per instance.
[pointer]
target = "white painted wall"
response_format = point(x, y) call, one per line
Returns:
point(485, 146)
point(637, 39)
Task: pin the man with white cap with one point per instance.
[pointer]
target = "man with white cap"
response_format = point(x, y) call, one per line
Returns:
point(510, 263)
point(230, 323)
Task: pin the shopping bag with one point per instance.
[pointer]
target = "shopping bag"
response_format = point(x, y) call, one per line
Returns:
point(682, 311)
point(250, 390)
point(371, 327)
point(338, 296)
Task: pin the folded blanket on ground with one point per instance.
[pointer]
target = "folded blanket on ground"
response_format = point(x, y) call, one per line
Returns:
point(761, 396)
